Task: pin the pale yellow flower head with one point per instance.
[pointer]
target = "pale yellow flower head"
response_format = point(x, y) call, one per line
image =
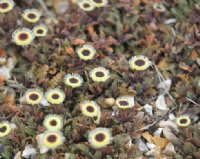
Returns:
point(33, 96)
point(99, 74)
point(23, 37)
point(100, 137)
point(55, 96)
point(86, 52)
point(183, 121)
point(53, 122)
point(31, 15)
point(90, 108)
point(40, 30)
point(124, 102)
point(5, 128)
point(139, 63)
point(86, 5)
point(99, 3)
point(6, 5)
point(74, 80)
point(53, 139)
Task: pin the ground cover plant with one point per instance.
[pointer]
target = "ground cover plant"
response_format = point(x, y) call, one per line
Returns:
point(100, 79)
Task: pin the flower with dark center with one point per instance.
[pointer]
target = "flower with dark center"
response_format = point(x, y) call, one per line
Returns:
point(86, 52)
point(74, 80)
point(124, 102)
point(55, 96)
point(183, 121)
point(6, 5)
point(33, 96)
point(53, 139)
point(86, 5)
point(100, 3)
point(53, 122)
point(23, 36)
point(90, 108)
point(40, 30)
point(4, 128)
point(139, 63)
point(31, 15)
point(100, 137)
point(99, 74)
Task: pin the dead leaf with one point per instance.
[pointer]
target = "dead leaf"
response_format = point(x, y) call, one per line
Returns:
point(194, 55)
point(160, 142)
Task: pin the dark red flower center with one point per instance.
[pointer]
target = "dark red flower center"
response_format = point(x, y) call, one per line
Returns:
point(85, 52)
point(55, 96)
point(4, 5)
point(98, 1)
point(99, 74)
point(86, 5)
point(183, 121)
point(3, 129)
point(123, 103)
point(33, 96)
point(23, 36)
point(100, 137)
point(53, 122)
point(31, 16)
point(73, 80)
point(39, 31)
point(51, 138)
point(139, 62)
point(90, 109)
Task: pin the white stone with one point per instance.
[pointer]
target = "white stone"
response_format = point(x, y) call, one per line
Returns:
point(160, 103)
point(158, 132)
point(142, 146)
point(150, 145)
point(29, 151)
point(165, 86)
point(43, 149)
point(149, 109)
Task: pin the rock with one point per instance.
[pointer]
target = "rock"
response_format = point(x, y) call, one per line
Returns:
point(168, 124)
point(169, 135)
point(150, 145)
point(60, 6)
point(109, 101)
point(149, 109)
point(158, 132)
point(165, 86)
point(169, 150)
point(160, 103)
point(142, 147)
point(41, 146)
point(18, 155)
point(29, 152)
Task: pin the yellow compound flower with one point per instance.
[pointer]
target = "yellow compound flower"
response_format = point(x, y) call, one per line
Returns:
point(139, 63)
point(86, 52)
point(99, 74)
point(23, 36)
point(33, 96)
point(53, 122)
point(100, 137)
point(53, 139)
point(31, 15)
point(55, 96)
point(86, 5)
point(40, 30)
point(99, 3)
point(74, 80)
point(183, 121)
point(4, 128)
point(6, 5)
point(124, 102)
point(90, 108)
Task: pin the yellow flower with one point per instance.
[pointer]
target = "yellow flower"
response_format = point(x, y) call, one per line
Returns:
point(139, 63)
point(74, 80)
point(90, 108)
point(100, 137)
point(99, 74)
point(53, 139)
point(31, 15)
point(53, 122)
point(86, 5)
point(6, 5)
point(99, 3)
point(23, 36)
point(159, 7)
point(4, 128)
point(55, 96)
point(183, 121)
point(124, 102)
point(33, 96)
point(40, 30)
point(86, 52)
